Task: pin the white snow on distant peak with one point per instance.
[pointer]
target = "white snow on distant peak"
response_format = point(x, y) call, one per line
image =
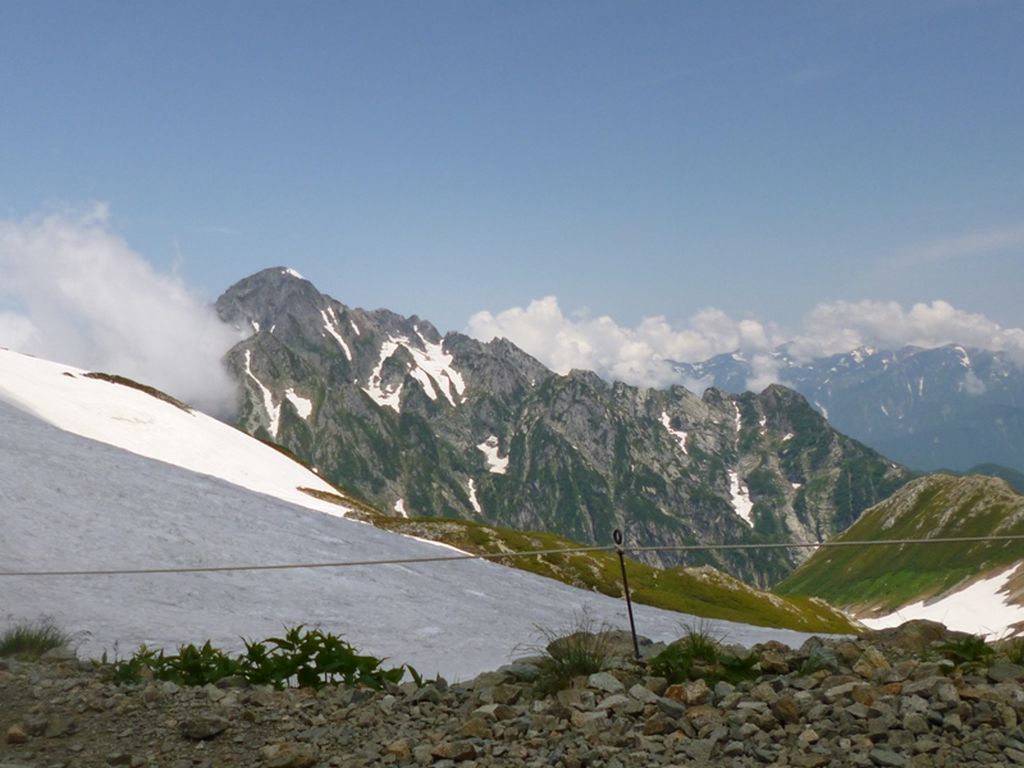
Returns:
point(303, 405)
point(292, 273)
point(787, 437)
point(438, 364)
point(762, 422)
point(980, 608)
point(331, 326)
point(375, 386)
point(884, 409)
point(965, 359)
point(255, 326)
point(273, 411)
point(400, 508)
point(432, 368)
point(473, 500)
point(740, 498)
point(496, 463)
point(797, 486)
point(355, 328)
point(739, 418)
point(135, 421)
point(679, 435)
point(823, 410)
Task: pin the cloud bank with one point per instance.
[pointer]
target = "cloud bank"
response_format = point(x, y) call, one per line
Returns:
point(643, 354)
point(73, 292)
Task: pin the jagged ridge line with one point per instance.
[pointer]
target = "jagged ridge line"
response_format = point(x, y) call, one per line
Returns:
point(508, 555)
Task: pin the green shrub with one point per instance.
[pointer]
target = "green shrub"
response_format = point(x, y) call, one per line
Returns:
point(32, 638)
point(1014, 651)
point(304, 658)
point(969, 652)
point(698, 654)
point(579, 650)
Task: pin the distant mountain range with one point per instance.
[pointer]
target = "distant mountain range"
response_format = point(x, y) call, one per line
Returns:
point(952, 407)
point(424, 425)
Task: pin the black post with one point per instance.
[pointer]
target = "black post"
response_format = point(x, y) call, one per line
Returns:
point(617, 536)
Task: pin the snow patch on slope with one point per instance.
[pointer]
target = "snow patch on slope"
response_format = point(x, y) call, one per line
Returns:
point(740, 498)
point(400, 508)
point(302, 404)
point(496, 463)
point(980, 608)
point(432, 368)
point(138, 422)
point(679, 435)
point(375, 386)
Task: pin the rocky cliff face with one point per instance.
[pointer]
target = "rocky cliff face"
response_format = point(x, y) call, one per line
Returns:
point(425, 425)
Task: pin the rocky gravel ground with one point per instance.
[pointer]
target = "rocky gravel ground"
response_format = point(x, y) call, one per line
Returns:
point(883, 699)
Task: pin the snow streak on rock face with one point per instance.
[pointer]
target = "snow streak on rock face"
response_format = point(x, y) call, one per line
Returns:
point(679, 435)
point(473, 500)
point(273, 411)
point(432, 369)
point(292, 273)
point(495, 462)
point(400, 508)
point(331, 326)
point(980, 608)
point(740, 498)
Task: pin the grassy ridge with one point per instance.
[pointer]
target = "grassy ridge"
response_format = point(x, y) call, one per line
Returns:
point(701, 591)
point(938, 506)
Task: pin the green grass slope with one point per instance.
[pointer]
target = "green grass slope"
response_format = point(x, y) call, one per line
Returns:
point(703, 591)
point(883, 578)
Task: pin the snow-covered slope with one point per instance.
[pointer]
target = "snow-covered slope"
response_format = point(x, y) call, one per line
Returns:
point(982, 608)
point(72, 503)
point(141, 423)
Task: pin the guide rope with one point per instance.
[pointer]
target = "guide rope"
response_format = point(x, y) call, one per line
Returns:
point(503, 556)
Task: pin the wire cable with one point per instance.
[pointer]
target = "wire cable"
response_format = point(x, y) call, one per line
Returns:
point(294, 566)
point(504, 556)
point(815, 545)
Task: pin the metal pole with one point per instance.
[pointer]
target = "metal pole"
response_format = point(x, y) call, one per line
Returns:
point(617, 536)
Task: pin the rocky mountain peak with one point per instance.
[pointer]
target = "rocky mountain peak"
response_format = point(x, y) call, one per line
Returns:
point(384, 406)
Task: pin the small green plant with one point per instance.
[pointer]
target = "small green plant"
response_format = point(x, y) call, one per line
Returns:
point(1014, 651)
point(32, 638)
point(304, 658)
point(582, 649)
point(969, 652)
point(699, 654)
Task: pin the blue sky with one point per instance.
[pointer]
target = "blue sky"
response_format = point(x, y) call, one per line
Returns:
point(632, 159)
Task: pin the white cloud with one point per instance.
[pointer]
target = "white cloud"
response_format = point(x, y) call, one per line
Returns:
point(76, 293)
point(840, 326)
point(640, 355)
